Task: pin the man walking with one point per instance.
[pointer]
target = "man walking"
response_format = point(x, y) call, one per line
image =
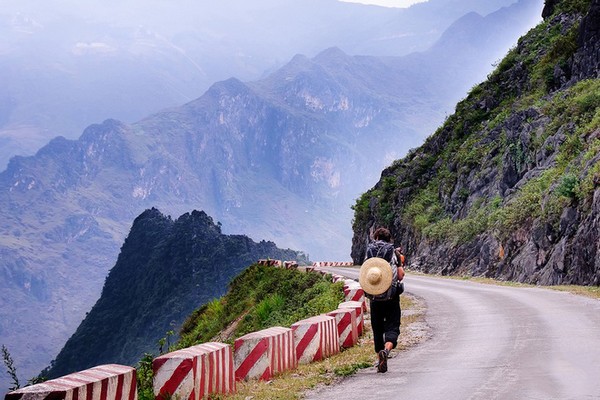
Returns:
point(380, 277)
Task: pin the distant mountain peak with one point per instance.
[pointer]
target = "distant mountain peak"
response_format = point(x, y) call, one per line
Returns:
point(332, 53)
point(226, 88)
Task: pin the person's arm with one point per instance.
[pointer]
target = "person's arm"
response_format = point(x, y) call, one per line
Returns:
point(400, 273)
point(399, 256)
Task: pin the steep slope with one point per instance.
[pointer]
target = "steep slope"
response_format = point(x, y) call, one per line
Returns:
point(279, 159)
point(509, 186)
point(165, 270)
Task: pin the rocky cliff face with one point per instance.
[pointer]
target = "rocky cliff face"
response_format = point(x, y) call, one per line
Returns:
point(508, 187)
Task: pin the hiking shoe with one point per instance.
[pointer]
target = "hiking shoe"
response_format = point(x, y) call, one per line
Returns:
point(383, 356)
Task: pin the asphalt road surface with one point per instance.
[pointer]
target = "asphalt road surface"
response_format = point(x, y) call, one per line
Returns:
point(489, 342)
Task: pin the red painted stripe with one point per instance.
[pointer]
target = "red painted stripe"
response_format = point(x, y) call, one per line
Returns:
point(287, 363)
point(266, 375)
point(288, 352)
point(158, 363)
point(202, 366)
point(334, 344)
point(328, 339)
point(119, 391)
point(89, 391)
point(192, 395)
point(231, 372)
point(257, 352)
point(292, 349)
point(319, 353)
point(331, 338)
point(344, 322)
point(272, 353)
point(238, 343)
point(211, 373)
point(171, 385)
point(133, 386)
point(305, 341)
point(222, 382)
point(104, 389)
point(279, 352)
point(323, 338)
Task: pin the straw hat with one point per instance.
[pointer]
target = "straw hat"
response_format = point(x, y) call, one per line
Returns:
point(375, 276)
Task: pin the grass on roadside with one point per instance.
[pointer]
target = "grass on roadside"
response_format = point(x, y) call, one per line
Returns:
point(588, 291)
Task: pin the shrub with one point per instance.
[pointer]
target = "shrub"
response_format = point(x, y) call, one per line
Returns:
point(568, 186)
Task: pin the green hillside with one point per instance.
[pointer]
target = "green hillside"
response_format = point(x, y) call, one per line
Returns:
point(260, 297)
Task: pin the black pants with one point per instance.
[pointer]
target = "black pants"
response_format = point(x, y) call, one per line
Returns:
point(385, 321)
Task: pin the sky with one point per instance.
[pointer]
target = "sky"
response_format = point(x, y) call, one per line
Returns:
point(387, 3)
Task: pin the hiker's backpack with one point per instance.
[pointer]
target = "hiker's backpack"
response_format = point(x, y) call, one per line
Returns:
point(384, 250)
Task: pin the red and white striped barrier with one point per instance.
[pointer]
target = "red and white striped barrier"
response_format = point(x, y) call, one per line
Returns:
point(360, 318)
point(274, 263)
point(175, 374)
point(218, 369)
point(316, 338)
point(290, 264)
point(337, 278)
point(265, 353)
point(104, 382)
point(194, 372)
point(333, 264)
point(354, 292)
point(346, 324)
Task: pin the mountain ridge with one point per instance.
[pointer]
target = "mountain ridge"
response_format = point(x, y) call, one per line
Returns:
point(67, 66)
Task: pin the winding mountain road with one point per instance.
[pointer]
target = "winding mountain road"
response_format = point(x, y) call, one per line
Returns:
point(489, 342)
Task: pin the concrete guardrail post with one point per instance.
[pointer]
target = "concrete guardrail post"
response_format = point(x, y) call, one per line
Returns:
point(104, 382)
point(346, 324)
point(194, 372)
point(315, 338)
point(264, 354)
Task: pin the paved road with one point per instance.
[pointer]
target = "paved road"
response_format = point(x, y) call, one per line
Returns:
point(490, 342)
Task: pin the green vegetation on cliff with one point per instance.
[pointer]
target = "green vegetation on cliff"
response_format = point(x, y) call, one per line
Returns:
point(516, 166)
point(260, 297)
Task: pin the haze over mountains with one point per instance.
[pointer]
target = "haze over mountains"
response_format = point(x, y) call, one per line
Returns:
point(66, 64)
point(279, 158)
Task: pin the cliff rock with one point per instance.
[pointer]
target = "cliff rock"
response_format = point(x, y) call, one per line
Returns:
point(509, 186)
